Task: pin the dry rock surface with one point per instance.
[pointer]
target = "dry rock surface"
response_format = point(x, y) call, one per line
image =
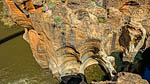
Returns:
point(67, 36)
point(125, 78)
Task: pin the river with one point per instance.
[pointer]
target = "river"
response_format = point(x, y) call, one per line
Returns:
point(17, 65)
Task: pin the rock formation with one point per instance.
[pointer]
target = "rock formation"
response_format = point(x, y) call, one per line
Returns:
point(125, 78)
point(67, 36)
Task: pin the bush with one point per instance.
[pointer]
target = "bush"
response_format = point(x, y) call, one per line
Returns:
point(51, 4)
point(57, 20)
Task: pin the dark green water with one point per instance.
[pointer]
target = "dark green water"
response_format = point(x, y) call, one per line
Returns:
point(17, 65)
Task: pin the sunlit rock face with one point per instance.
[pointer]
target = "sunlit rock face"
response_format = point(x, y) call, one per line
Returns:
point(67, 36)
point(125, 78)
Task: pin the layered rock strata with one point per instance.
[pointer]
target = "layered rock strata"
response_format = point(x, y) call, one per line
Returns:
point(67, 36)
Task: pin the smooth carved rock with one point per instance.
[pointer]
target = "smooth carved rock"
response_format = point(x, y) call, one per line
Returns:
point(67, 36)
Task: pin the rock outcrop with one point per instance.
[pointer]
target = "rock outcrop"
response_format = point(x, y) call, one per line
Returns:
point(125, 78)
point(67, 36)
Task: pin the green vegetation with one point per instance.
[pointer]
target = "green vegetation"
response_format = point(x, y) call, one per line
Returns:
point(101, 6)
point(127, 22)
point(63, 29)
point(94, 73)
point(1, 6)
point(90, 3)
point(4, 12)
point(4, 19)
point(101, 20)
point(57, 20)
point(51, 4)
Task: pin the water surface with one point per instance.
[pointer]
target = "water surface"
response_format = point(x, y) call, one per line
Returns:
point(17, 65)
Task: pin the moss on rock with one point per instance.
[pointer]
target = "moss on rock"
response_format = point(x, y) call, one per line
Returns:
point(94, 73)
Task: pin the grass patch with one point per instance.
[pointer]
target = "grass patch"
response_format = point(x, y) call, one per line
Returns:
point(51, 4)
point(57, 20)
point(101, 20)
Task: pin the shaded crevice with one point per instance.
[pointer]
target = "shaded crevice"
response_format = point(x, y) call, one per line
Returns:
point(124, 38)
point(132, 3)
point(27, 15)
point(38, 6)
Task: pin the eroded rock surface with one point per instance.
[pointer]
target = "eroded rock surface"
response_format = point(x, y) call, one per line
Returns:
point(67, 36)
point(125, 78)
